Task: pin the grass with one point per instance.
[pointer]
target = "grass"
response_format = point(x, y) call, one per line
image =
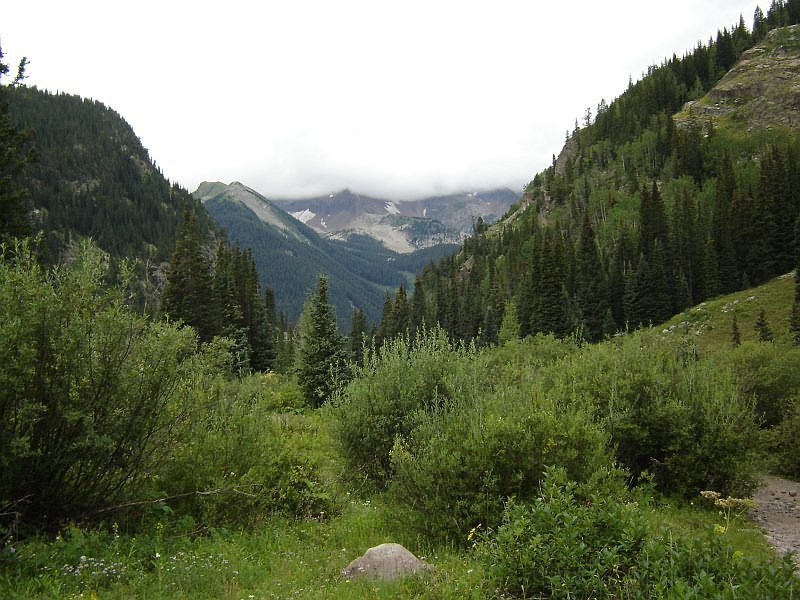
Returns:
point(710, 323)
point(284, 559)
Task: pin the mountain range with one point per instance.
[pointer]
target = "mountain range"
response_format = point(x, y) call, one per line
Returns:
point(402, 226)
point(289, 255)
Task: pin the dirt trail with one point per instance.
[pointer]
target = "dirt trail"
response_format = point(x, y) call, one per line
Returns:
point(778, 513)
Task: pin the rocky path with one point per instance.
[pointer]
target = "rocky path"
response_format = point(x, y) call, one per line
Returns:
point(778, 513)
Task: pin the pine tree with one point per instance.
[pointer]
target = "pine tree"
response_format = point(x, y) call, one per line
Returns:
point(736, 338)
point(592, 295)
point(794, 317)
point(402, 312)
point(321, 354)
point(794, 323)
point(15, 209)
point(762, 327)
point(759, 25)
point(551, 308)
point(509, 326)
point(260, 333)
point(727, 272)
point(188, 294)
point(359, 335)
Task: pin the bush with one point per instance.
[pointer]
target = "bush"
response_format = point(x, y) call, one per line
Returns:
point(458, 466)
point(239, 457)
point(592, 542)
point(667, 410)
point(565, 544)
point(769, 373)
point(784, 446)
point(85, 389)
point(386, 396)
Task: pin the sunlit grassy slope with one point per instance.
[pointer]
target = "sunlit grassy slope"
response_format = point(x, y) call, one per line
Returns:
point(710, 323)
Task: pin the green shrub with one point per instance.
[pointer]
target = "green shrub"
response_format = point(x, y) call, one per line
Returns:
point(86, 387)
point(384, 399)
point(592, 542)
point(667, 410)
point(784, 445)
point(769, 373)
point(565, 544)
point(238, 460)
point(458, 466)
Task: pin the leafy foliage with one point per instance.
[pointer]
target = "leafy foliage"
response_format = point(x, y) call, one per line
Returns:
point(389, 393)
point(593, 542)
point(668, 410)
point(242, 454)
point(86, 388)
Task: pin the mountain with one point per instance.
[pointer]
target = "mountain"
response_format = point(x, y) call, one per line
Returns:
point(684, 187)
point(402, 226)
point(290, 255)
point(93, 178)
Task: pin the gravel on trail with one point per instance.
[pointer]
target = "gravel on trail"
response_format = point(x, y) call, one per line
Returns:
point(778, 513)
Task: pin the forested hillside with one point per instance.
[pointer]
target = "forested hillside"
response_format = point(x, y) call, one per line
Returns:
point(660, 199)
point(93, 178)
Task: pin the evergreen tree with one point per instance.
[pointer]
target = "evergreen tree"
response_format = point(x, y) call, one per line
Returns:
point(388, 327)
point(359, 335)
point(592, 296)
point(402, 312)
point(509, 326)
point(759, 25)
point(551, 308)
point(794, 323)
point(260, 333)
point(418, 310)
point(736, 338)
point(727, 272)
point(15, 209)
point(647, 294)
point(794, 317)
point(762, 327)
point(188, 294)
point(321, 354)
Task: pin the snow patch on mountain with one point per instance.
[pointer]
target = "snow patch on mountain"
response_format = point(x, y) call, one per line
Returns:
point(304, 216)
point(392, 209)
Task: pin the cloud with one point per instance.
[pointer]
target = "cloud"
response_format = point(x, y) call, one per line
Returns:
point(393, 99)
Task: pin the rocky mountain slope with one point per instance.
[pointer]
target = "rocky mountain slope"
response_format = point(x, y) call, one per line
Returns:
point(761, 91)
point(402, 226)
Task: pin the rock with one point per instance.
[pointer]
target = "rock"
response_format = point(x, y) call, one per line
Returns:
point(387, 562)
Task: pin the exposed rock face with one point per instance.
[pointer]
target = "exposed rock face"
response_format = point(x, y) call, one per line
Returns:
point(387, 562)
point(401, 225)
point(762, 90)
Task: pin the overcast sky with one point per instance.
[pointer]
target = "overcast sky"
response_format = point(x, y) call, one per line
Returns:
point(397, 99)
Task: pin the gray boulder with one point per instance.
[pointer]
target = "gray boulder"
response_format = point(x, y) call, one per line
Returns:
point(387, 562)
